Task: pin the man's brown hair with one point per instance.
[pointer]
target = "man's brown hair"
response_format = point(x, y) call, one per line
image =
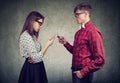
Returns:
point(83, 6)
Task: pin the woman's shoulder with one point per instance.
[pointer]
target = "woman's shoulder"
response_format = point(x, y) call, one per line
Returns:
point(25, 35)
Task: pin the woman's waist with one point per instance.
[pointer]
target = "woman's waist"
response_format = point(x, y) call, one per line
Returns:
point(34, 62)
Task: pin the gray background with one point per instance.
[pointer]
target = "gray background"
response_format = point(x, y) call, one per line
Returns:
point(59, 18)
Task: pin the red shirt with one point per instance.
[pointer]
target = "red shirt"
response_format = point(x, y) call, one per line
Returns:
point(87, 50)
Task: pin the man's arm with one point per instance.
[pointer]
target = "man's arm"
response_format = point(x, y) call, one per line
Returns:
point(63, 41)
point(68, 47)
point(96, 47)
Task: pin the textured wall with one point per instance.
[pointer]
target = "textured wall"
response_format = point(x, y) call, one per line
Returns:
point(59, 19)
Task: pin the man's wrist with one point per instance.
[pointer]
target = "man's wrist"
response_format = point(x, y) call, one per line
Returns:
point(65, 43)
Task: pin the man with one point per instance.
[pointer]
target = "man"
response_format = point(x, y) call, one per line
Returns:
point(87, 50)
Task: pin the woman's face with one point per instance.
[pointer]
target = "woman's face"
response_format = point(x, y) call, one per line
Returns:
point(37, 24)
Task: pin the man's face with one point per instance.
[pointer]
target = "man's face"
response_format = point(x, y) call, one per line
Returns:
point(80, 16)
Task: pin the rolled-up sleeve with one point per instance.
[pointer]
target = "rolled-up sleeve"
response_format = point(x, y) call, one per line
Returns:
point(97, 50)
point(69, 47)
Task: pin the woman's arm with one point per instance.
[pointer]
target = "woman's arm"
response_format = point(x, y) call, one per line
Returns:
point(49, 43)
point(28, 49)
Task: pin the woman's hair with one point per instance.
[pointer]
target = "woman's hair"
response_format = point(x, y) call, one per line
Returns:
point(28, 25)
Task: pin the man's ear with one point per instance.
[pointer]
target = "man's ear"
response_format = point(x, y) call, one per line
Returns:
point(87, 12)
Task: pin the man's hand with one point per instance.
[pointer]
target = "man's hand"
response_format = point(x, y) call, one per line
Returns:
point(61, 39)
point(30, 60)
point(78, 74)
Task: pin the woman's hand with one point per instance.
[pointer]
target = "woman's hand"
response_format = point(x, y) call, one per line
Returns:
point(30, 60)
point(50, 41)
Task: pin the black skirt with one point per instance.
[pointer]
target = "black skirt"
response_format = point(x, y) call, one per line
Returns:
point(33, 73)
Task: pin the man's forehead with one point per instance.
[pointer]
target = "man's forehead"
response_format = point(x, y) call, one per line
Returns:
point(78, 11)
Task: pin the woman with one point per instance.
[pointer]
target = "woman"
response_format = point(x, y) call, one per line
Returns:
point(33, 70)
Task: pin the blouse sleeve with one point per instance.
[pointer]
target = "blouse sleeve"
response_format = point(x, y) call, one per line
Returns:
point(28, 48)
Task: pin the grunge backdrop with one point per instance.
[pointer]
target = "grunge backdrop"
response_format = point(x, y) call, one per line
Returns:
point(59, 19)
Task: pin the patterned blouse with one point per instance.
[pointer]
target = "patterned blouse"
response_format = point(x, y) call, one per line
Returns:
point(30, 47)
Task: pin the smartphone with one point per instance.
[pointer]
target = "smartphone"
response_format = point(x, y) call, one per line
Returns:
point(58, 36)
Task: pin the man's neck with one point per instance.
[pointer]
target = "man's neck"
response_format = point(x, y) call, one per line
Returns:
point(82, 25)
point(87, 20)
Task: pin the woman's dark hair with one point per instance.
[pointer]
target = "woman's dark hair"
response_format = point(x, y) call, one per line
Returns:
point(28, 25)
point(83, 6)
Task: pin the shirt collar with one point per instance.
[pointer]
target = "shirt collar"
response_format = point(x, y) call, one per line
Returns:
point(81, 26)
point(85, 25)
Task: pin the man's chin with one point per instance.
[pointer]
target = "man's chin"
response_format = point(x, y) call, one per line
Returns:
point(79, 22)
